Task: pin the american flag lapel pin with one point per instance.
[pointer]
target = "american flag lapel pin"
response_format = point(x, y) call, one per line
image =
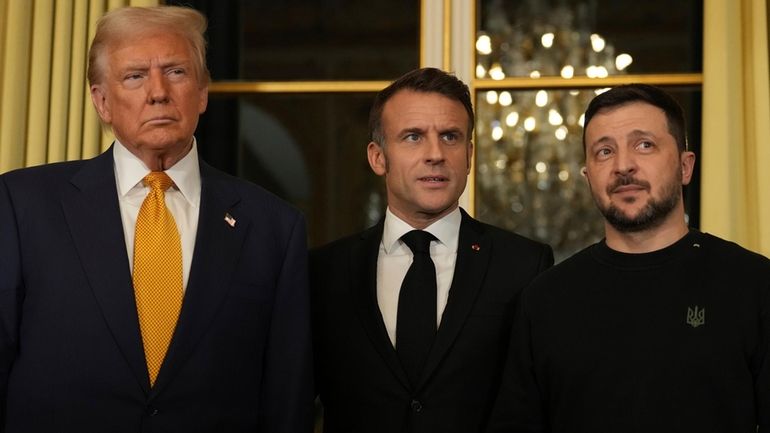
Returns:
point(229, 220)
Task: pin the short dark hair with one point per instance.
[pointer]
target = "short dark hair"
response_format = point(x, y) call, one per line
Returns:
point(652, 95)
point(427, 80)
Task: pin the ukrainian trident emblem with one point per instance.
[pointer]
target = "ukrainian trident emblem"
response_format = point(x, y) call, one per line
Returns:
point(696, 317)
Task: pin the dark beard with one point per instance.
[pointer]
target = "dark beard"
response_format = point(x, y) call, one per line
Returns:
point(651, 216)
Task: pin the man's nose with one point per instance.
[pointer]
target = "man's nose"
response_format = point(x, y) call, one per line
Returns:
point(434, 152)
point(157, 88)
point(625, 162)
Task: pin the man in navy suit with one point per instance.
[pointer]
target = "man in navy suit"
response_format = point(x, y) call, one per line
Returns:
point(72, 351)
point(411, 335)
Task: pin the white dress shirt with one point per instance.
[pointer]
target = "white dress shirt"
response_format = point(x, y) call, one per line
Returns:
point(395, 257)
point(182, 199)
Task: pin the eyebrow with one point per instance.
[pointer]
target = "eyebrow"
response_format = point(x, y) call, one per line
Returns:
point(144, 65)
point(636, 133)
point(602, 140)
point(453, 129)
point(411, 130)
point(640, 133)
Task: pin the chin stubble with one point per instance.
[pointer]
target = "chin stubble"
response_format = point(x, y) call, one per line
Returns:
point(651, 216)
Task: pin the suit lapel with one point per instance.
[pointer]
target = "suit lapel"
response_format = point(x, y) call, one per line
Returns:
point(363, 265)
point(217, 250)
point(93, 215)
point(473, 254)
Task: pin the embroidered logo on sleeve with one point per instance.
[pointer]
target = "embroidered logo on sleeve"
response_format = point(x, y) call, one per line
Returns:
point(696, 317)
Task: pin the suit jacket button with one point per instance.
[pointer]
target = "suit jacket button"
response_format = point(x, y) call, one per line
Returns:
point(416, 406)
point(152, 411)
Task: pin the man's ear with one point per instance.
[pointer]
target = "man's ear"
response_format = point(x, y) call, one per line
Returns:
point(584, 173)
point(688, 166)
point(203, 99)
point(470, 156)
point(376, 156)
point(99, 98)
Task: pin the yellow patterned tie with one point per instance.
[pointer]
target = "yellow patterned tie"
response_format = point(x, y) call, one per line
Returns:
point(157, 272)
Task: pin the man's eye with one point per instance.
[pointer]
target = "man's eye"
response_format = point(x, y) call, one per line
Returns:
point(603, 152)
point(450, 136)
point(133, 76)
point(645, 145)
point(411, 137)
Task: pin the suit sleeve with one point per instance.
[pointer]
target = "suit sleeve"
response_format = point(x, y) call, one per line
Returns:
point(287, 388)
point(11, 289)
point(520, 404)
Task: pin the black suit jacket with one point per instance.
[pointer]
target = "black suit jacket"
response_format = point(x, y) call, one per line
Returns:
point(361, 383)
point(71, 357)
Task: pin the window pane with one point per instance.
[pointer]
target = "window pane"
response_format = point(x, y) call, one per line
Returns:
point(311, 39)
point(309, 149)
point(588, 37)
point(529, 153)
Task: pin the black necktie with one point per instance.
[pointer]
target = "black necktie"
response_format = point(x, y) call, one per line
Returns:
point(416, 321)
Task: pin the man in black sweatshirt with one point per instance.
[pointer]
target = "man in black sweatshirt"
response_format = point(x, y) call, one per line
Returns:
point(656, 328)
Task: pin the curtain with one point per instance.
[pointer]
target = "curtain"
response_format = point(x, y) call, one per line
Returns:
point(735, 186)
point(45, 107)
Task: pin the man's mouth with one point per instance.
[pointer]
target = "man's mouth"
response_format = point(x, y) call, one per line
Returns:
point(433, 179)
point(160, 120)
point(629, 188)
point(628, 184)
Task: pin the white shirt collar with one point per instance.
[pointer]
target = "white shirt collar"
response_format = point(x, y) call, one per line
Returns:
point(130, 170)
point(446, 230)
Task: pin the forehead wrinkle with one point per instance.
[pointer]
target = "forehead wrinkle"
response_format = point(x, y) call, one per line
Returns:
point(640, 133)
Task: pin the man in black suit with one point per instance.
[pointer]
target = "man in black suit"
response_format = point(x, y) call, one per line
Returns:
point(144, 290)
point(415, 341)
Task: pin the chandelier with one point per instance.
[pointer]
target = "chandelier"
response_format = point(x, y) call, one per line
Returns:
point(529, 151)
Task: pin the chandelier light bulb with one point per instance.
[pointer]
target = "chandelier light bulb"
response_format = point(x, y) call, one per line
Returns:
point(547, 39)
point(480, 71)
point(496, 72)
point(601, 72)
point(561, 133)
point(622, 61)
point(497, 133)
point(554, 118)
point(568, 72)
point(530, 124)
point(491, 97)
point(541, 98)
point(505, 99)
point(597, 43)
point(512, 119)
point(484, 45)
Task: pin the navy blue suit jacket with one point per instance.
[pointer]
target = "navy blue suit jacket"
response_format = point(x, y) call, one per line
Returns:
point(71, 357)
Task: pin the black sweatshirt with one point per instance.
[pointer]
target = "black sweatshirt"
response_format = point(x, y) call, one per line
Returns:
point(670, 341)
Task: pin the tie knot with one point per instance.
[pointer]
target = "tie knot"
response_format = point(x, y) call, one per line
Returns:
point(158, 180)
point(418, 241)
